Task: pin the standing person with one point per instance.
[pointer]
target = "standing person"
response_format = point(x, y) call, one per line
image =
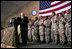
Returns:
point(68, 26)
point(30, 30)
point(11, 22)
point(23, 21)
point(61, 29)
point(64, 14)
point(54, 27)
point(52, 34)
point(36, 29)
point(41, 29)
point(33, 34)
point(16, 22)
point(24, 27)
point(47, 25)
point(58, 27)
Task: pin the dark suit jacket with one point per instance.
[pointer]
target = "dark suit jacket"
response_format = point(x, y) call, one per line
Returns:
point(23, 23)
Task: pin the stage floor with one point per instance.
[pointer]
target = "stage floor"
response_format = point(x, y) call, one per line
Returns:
point(44, 45)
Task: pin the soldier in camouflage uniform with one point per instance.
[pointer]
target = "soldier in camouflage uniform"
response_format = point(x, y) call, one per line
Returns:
point(47, 25)
point(29, 30)
point(55, 27)
point(41, 30)
point(68, 26)
point(36, 29)
point(33, 36)
point(52, 34)
point(61, 29)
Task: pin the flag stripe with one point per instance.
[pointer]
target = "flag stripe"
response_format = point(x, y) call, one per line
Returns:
point(54, 2)
point(56, 8)
point(57, 3)
point(64, 9)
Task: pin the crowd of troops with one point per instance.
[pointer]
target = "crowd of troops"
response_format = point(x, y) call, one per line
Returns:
point(51, 29)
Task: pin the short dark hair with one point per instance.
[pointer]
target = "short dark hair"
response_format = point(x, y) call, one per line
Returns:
point(62, 15)
point(68, 10)
point(36, 18)
point(46, 17)
point(53, 13)
point(57, 14)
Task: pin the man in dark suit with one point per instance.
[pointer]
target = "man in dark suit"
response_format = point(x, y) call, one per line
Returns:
point(23, 21)
point(24, 28)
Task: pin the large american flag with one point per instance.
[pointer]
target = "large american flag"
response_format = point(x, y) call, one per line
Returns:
point(47, 7)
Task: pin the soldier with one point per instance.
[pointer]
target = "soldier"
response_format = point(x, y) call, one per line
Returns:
point(41, 30)
point(52, 34)
point(29, 30)
point(55, 27)
point(47, 25)
point(36, 29)
point(68, 26)
point(33, 34)
point(58, 27)
point(64, 14)
point(61, 29)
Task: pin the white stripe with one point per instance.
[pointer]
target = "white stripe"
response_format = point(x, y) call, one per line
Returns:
point(55, 6)
point(54, 2)
point(64, 9)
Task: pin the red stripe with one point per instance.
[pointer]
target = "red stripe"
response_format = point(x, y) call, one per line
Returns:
point(61, 12)
point(56, 9)
point(57, 13)
point(52, 1)
point(57, 3)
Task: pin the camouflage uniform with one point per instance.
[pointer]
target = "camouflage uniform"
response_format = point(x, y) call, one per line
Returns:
point(52, 34)
point(47, 24)
point(36, 30)
point(55, 29)
point(68, 27)
point(29, 31)
point(41, 30)
point(33, 36)
point(61, 30)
